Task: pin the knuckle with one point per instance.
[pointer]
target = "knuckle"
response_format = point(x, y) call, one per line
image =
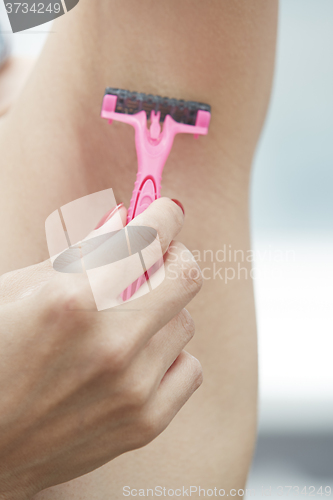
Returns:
point(71, 291)
point(171, 209)
point(63, 304)
point(187, 324)
point(61, 298)
point(138, 394)
point(149, 428)
point(196, 372)
point(159, 223)
point(194, 369)
point(191, 275)
point(116, 357)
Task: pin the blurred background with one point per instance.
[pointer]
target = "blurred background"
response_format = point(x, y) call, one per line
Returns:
point(292, 222)
point(292, 234)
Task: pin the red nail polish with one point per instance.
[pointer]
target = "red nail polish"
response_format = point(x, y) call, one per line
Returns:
point(180, 205)
point(108, 216)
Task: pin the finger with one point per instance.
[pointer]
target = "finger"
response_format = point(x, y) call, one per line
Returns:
point(151, 312)
point(121, 258)
point(182, 379)
point(165, 217)
point(164, 348)
point(96, 247)
point(181, 283)
point(111, 284)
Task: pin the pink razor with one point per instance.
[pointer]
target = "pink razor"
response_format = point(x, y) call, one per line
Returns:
point(153, 144)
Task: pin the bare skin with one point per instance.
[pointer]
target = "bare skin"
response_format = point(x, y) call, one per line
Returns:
point(13, 76)
point(55, 148)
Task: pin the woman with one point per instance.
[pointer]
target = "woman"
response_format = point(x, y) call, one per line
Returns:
point(55, 149)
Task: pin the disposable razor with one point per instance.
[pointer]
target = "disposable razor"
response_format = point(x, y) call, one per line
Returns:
point(146, 113)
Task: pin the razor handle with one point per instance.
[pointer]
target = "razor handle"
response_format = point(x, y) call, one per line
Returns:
point(145, 192)
point(147, 187)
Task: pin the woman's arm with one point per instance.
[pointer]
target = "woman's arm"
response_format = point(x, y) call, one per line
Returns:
point(56, 149)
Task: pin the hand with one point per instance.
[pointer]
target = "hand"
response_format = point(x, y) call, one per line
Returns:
point(80, 387)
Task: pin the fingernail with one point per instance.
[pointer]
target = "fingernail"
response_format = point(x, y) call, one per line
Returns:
point(180, 205)
point(108, 216)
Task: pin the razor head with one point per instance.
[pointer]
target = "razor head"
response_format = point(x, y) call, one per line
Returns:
point(134, 102)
